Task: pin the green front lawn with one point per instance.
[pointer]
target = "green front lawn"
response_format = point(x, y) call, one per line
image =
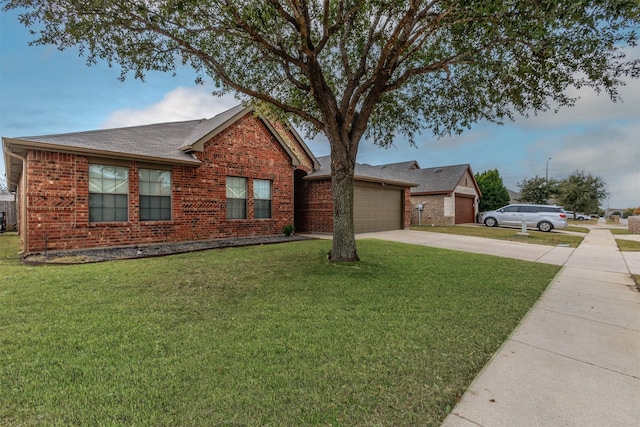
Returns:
point(628, 245)
point(510, 234)
point(263, 335)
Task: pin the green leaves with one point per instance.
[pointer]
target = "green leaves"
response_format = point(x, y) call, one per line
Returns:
point(582, 192)
point(494, 193)
point(441, 65)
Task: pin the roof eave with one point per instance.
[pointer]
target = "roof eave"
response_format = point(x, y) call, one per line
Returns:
point(365, 179)
point(26, 144)
point(431, 193)
point(316, 163)
point(198, 145)
point(294, 160)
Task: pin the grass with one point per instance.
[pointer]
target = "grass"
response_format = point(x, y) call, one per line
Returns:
point(628, 245)
point(510, 234)
point(264, 335)
point(622, 231)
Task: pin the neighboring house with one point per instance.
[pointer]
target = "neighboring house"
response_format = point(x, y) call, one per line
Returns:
point(514, 196)
point(234, 175)
point(8, 210)
point(447, 195)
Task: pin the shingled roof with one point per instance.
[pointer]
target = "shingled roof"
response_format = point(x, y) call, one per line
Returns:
point(442, 179)
point(169, 143)
point(363, 172)
point(437, 180)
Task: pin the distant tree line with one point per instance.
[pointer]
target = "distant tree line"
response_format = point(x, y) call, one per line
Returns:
point(580, 192)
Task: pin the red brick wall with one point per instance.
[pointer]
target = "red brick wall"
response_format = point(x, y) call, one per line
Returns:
point(408, 208)
point(57, 195)
point(314, 206)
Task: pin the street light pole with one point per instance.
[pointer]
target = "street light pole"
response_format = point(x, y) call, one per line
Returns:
point(546, 176)
point(546, 179)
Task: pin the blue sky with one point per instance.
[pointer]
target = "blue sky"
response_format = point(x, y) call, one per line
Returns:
point(45, 91)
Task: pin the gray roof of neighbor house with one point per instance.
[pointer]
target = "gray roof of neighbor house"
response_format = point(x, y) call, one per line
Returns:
point(437, 180)
point(170, 143)
point(363, 172)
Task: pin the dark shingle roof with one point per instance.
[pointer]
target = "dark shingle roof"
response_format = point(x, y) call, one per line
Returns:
point(363, 172)
point(441, 179)
point(161, 141)
point(205, 127)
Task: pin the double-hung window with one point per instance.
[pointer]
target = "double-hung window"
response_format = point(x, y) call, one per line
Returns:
point(236, 198)
point(155, 194)
point(108, 193)
point(261, 198)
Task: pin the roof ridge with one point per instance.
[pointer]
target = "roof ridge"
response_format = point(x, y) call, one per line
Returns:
point(108, 129)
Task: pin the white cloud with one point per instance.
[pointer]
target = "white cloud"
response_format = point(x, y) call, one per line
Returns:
point(591, 107)
point(179, 104)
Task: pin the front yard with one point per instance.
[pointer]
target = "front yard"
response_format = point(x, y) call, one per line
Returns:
point(263, 335)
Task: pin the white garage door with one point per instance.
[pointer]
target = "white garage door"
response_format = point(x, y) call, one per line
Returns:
point(377, 208)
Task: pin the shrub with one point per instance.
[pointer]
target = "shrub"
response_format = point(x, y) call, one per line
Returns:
point(288, 230)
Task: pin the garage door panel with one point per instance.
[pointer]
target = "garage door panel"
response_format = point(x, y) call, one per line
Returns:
point(377, 209)
point(465, 212)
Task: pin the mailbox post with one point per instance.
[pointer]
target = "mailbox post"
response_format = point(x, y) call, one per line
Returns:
point(420, 208)
point(523, 232)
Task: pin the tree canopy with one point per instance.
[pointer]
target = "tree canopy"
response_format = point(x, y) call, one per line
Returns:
point(360, 68)
point(582, 192)
point(494, 193)
point(537, 190)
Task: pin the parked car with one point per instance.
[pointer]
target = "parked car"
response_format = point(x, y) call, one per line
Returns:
point(579, 217)
point(542, 217)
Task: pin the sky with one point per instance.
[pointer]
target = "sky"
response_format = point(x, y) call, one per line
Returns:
point(45, 91)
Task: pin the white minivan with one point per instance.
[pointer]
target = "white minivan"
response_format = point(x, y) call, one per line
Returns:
point(542, 217)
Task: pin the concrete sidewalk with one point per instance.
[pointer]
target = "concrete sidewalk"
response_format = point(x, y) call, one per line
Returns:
point(574, 360)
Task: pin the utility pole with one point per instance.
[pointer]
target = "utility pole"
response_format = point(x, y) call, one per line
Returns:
point(546, 179)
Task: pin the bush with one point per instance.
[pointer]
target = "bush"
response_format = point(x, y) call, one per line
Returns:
point(288, 230)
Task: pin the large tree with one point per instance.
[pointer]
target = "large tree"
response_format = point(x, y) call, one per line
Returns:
point(361, 68)
point(537, 190)
point(582, 192)
point(494, 193)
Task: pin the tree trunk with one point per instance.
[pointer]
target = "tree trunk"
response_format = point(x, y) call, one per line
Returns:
point(342, 173)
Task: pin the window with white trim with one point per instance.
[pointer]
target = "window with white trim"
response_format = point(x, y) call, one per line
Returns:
point(261, 198)
point(236, 197)
point(155, 194)
point(108, 193)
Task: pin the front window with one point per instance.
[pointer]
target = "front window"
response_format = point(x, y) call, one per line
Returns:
point(108, 193)
point(236, 198)
point(155, 194)
point(261, 198)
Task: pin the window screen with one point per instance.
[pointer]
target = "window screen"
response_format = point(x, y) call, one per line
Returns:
point(108, 193)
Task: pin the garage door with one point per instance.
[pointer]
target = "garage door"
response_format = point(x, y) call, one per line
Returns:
point(464, 210)
point(377, 209)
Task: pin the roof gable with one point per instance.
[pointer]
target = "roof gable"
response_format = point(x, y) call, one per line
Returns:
point(441, 179)
point(168, 143)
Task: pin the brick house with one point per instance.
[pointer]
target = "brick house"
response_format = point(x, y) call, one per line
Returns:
point(234, 175)
point(381, 200)
point(447, 195)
